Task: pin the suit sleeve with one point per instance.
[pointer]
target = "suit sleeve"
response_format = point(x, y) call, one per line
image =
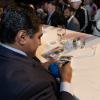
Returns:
point(66, 96)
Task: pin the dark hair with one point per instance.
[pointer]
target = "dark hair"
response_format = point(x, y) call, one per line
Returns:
point(15, 19)
point(70, 8)
point(53, 2)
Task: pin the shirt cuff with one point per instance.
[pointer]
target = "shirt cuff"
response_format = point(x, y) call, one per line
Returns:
point(65, 86)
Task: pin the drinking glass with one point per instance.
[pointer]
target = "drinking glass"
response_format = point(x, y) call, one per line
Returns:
point(61, 34)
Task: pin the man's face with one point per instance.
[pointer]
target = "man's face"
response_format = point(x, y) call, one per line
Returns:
point(33, 43)
point(50, 8)
point(67, 12)
point(76, 5)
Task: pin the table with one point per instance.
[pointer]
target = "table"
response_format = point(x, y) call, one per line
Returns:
point(86, 68)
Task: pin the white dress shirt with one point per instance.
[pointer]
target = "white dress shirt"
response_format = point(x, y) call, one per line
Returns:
point(65, 86)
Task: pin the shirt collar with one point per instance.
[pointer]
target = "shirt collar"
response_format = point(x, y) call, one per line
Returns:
point(50, 13)
point(13, 49)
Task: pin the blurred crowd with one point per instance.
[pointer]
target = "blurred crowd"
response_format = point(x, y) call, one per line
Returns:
point(77, 15)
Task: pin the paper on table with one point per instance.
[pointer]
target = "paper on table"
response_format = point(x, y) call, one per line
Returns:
point(84, 52)
point(53, 53)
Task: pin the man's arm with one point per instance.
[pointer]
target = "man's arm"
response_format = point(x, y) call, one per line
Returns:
point(65, 85)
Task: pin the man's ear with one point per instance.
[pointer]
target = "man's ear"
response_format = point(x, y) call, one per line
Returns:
point(21, 37)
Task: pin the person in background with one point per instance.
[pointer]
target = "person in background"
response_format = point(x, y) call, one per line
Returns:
point(54, 17)
point(62, 5)
point(96, 27)
point(42, 11)
point(81, 14)
point(22, 76)
point(91, 7)
point(71, 22)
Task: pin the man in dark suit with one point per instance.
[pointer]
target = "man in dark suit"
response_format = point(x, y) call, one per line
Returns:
point(22, 76)
point(81, 14)
point(54, 17)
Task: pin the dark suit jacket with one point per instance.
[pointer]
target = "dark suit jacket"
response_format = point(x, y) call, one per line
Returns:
point(56, 19)
point(82, 16)
point(25, 79)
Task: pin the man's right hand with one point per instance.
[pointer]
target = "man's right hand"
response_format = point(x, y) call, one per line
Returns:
point(66, 72)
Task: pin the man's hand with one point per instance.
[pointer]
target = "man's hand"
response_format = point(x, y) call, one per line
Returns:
point(66, 72)
point(46, 64)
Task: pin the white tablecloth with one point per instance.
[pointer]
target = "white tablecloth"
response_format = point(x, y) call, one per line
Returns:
point(85, 63)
